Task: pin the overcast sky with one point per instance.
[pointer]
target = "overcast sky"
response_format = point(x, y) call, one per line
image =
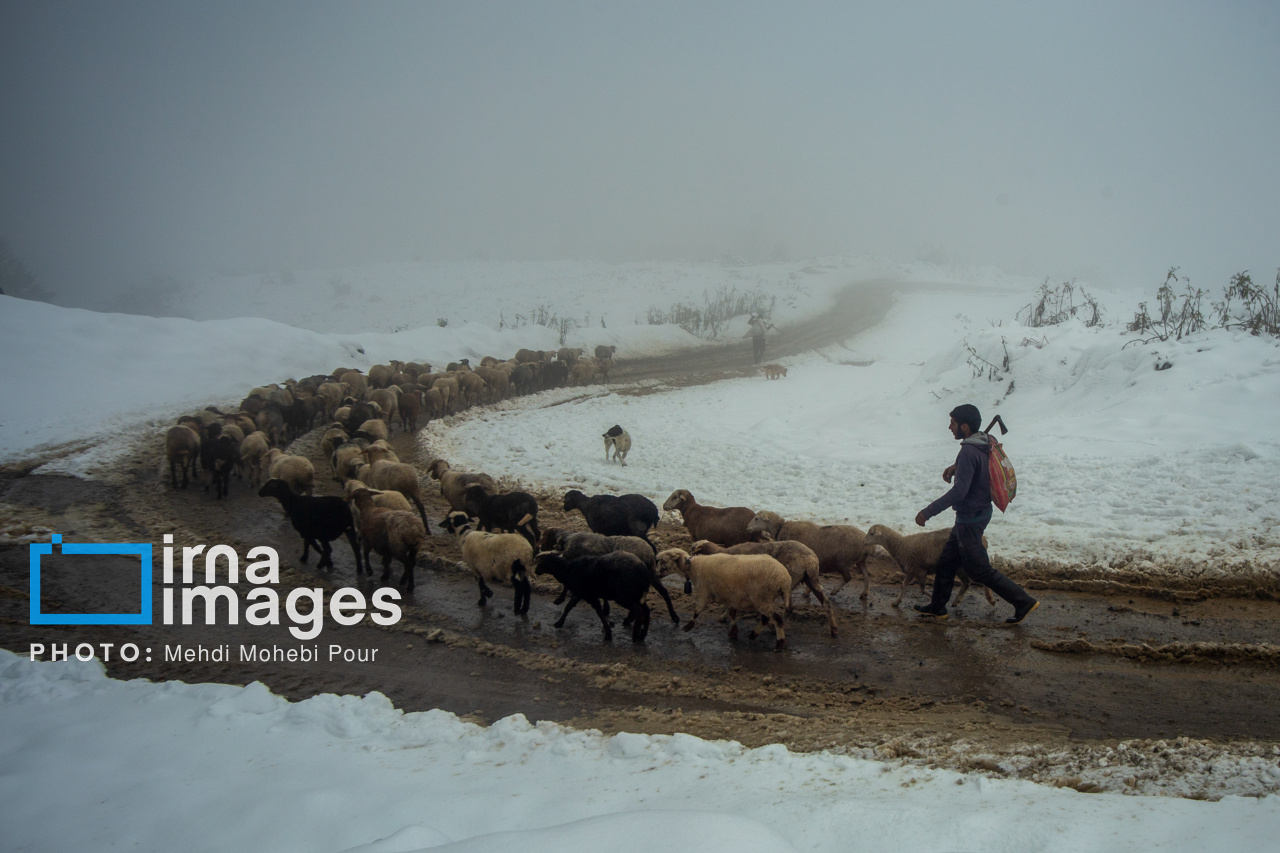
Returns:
point(1105, 140)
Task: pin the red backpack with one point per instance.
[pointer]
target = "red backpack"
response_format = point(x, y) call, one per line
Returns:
point(1004, 482)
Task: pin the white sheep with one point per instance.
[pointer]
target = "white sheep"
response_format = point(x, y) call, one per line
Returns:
point(388, 399)
point(332, 394)
point(753, 582)
point(253, 455)
point(917, 554)
point(380, 450)
point(334, 436)
point(497, 557)
point(297, 471)
point(375, 429)
point(347, 457)
point(799, 560)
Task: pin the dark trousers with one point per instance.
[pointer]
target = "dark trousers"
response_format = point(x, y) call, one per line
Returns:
point(757, 347)
point(964, 550)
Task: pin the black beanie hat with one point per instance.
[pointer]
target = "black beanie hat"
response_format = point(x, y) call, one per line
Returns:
point(968, 414)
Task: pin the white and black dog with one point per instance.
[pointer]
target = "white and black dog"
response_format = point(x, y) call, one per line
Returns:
point(619, 440)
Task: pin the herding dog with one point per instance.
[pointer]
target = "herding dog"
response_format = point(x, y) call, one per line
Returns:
point(774, 371)
point(619, 440)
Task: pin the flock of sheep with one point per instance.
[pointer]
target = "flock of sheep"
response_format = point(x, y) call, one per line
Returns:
point(749, 562)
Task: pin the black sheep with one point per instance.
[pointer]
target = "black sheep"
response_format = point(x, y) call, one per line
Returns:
point(220, 454)
point(619, 577)
point(319, 520)
point(582, 543)
point(514, 511)
point(615, 515)
point(360, 412)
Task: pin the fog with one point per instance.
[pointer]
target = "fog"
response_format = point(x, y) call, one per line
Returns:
point(1102, 141)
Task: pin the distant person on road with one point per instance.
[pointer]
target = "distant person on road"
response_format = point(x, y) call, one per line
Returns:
point(971, 497)
point(756, 328)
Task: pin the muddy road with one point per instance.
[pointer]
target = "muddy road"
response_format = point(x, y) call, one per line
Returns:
point(1131, 658)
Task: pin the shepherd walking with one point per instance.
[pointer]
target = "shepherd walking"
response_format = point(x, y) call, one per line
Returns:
point(971, 497)
point(757, 326)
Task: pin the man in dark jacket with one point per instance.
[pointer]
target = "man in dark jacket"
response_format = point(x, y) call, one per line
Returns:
point(971, 497)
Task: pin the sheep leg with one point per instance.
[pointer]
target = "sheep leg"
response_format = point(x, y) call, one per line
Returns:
point(355, 548)
point(845, 577)
point(908, 578)
point(666, 596)
point(564, 593)
point(866, 578)
point(573, 602)
point(780, 631)
point(386, 569)
point(965, 583)
point(485, 592)
point(326, 555)
point(640, 624)
point(814, 585)
point(422, 511)
point(604, 618)
point(406, 578)
point(523, 593)
point(733, 624)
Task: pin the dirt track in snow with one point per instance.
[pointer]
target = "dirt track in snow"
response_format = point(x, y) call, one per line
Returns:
point(1183, 676)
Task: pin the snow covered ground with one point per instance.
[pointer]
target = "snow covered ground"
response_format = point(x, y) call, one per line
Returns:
point(1119, 464)
point(91, 763)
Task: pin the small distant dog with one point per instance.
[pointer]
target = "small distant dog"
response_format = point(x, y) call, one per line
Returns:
point(774, 371)
point(619, 440)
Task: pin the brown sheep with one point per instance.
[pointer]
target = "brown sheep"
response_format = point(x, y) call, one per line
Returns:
point(394, 534)
point(841, 548)
point(721, 525)
point(388, 476)
point(182, 447)
point(470, 387)
point(410, 406)
point(450, 393)
point(380, 375)
point(496, 381)
point(583, 373)
point(357, 382)
point(917, 554)
point(453, 484)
